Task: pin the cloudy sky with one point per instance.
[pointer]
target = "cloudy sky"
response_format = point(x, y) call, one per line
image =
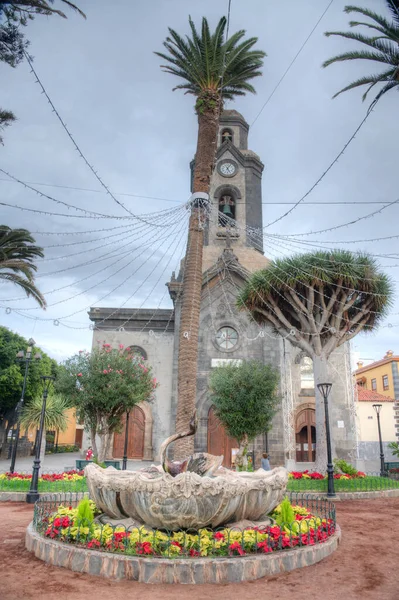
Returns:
point(106, 83)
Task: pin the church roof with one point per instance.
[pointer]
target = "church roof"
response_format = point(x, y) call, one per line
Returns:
point(232, 115)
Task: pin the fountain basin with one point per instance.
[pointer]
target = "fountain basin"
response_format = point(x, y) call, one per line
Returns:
point(187, 501)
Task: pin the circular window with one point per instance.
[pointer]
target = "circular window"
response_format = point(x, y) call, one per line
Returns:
point(226, 338)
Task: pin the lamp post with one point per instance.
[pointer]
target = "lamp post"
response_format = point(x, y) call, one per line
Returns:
point(324, 389)
point(33, 493)
point(27, 358)
point(377, 408)
point(124, 462)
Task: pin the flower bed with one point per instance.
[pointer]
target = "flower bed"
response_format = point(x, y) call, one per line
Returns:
point(343, 482)
point(72, 481)
point(67, 525)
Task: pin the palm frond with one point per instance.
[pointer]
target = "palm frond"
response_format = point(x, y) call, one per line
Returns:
point(386, 47)
point(55, 416)
point(25, 284)
point(205, 60)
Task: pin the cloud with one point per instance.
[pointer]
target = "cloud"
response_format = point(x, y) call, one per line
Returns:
point(106, 82)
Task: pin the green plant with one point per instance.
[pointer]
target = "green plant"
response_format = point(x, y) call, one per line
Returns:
point(245, 399)
point(394, 446)
point(85, 516)
point(344, 467)
point(286, 515)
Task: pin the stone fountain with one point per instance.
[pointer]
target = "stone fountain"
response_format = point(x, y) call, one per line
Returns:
point(197, 492)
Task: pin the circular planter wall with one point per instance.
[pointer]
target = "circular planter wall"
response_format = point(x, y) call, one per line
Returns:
point(190, 571)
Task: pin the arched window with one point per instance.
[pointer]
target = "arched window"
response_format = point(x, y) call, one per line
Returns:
point(307, 376)
point(227, 136)
point(137, 351)
point(227, 208)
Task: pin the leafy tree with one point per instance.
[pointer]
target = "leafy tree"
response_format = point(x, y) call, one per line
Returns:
point(103, 385)
point(384, 48)
point(319, 301)
point(214, 69)
point(13, 43)
point(55, 416)
point(17, 254)
point(245, 399)
point(6, 118)
point(12, 375)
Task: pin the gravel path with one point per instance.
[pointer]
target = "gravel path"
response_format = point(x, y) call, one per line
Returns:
point(364, 567)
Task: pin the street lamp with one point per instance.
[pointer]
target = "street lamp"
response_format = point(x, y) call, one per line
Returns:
point(124, 462)
point(33, 494)
point(27, 358)
point(377, 408)
point(324, 389)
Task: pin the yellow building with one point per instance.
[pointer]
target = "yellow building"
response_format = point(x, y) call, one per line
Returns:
point(72, 436)
point(382, 378)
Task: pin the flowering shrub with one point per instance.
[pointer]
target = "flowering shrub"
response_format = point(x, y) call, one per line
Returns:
point(316, 475)
point(66, 476)
point(306, 529)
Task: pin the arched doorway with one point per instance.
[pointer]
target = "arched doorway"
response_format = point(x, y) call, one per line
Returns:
point(135, 447)
point(218, 440)
point(306, 435)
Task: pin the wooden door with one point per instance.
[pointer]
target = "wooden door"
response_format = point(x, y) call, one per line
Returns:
point(79, 437)
point(306, 435)
point(218, 440)
point(135, 447)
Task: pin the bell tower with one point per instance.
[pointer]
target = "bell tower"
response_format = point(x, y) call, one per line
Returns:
point(236, 192)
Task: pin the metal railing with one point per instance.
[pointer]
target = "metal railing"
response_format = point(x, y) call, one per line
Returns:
point(138, 541)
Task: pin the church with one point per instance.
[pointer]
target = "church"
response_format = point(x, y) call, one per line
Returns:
point(230, 255)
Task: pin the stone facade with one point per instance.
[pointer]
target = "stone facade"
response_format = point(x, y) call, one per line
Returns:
point(228, 259)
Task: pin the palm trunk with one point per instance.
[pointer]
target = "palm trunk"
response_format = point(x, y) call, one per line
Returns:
point(208, 124)
point(322, 375)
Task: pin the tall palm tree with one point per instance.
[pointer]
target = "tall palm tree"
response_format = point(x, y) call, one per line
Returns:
point(385, 48)
point(17, 254)
point(214, 69)
point(55, 416)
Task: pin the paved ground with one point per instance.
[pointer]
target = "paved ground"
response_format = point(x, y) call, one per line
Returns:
point(58, 462)
point(363, 568)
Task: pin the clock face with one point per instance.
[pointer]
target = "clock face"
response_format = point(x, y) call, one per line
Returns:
point(226, 338)
point(227, 168)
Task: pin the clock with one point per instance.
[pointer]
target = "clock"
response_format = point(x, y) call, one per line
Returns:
point(228, 169)
point(226, 338)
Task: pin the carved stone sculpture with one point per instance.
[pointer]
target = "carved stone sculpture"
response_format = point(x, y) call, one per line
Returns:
point(190, 494)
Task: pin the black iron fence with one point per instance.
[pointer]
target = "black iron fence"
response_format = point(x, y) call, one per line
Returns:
point(57, 517)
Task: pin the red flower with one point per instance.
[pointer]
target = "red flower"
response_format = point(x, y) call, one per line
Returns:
point(263, 546)
point(144, 548)
point(218, 535)
point(236, 547)
point(94, 544)
point(193, 552)
point(79, 375)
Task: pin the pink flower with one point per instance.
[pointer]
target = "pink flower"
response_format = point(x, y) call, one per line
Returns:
point(105, 371)
point(121, 346)
point(79, 375)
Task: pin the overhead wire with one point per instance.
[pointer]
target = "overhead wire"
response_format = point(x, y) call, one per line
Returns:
point(291, 63)
point(131, 260)
point(68, 132)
